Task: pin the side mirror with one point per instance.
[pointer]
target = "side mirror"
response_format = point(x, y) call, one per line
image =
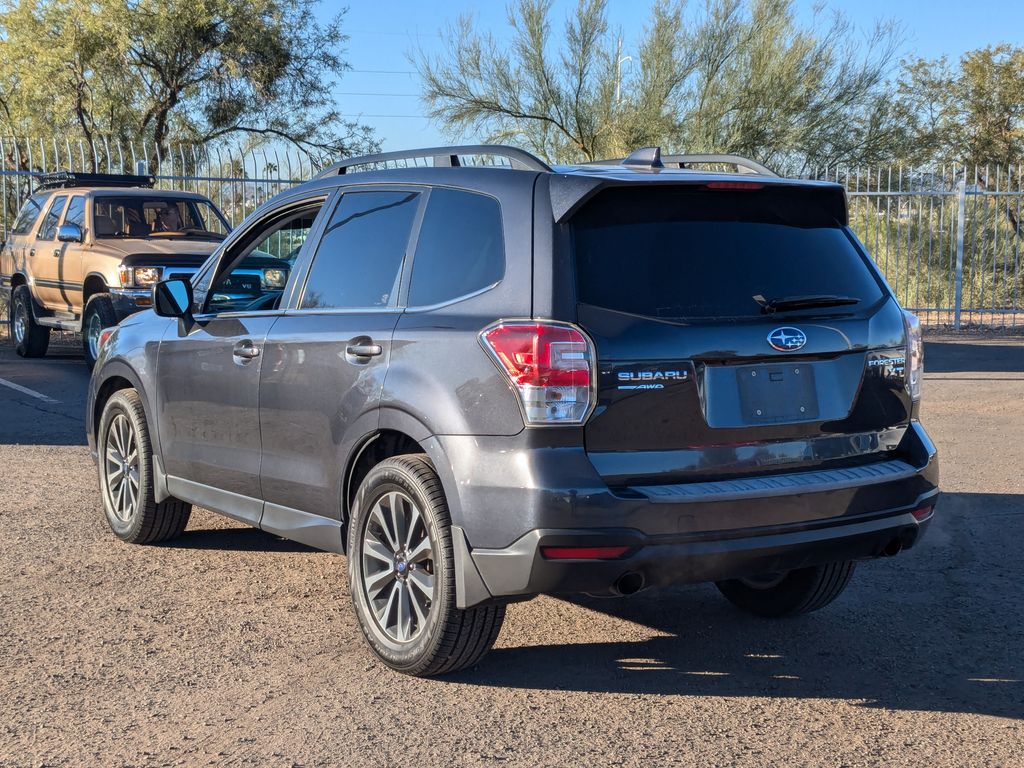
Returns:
point(70, 233)
point(173, 298)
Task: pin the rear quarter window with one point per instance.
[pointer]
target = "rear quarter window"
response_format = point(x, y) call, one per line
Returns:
point(696, 254)
point(29, 215)
point(460, 249)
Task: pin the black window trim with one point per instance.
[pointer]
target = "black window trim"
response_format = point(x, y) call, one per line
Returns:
point(423, 191)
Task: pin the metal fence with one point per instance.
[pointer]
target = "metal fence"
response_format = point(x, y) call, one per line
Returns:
point(948, 238)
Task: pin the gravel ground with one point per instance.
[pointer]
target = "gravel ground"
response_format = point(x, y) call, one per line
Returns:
point(233, 647)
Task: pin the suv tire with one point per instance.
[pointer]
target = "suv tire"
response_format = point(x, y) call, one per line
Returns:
point(399, 551)
point(99, 314)
point(800, 591)
point(30, 338)
point(126, 476)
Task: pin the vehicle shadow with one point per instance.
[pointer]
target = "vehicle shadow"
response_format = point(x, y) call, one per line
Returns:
point(937, 628)
point(245, 539)
point(960, 357)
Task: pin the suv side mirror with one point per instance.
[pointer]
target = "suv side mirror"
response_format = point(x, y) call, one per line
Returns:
point(173, 298)
point(70, 233)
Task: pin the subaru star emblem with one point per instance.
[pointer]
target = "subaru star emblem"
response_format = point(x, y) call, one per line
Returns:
point(787, 339)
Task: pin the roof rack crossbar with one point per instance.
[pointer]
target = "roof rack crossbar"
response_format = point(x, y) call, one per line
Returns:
point(743, 164)
point(63, 179)
point(442, 157)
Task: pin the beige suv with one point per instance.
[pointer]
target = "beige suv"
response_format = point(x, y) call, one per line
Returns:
point(86, 249)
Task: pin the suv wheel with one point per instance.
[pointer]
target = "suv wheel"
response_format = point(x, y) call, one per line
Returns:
point(126, 476)
point(790, 593)
point(402, 574)
point(99, 314)
point(30, 339)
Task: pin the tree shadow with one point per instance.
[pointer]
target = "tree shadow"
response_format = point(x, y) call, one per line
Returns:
point(939, 628)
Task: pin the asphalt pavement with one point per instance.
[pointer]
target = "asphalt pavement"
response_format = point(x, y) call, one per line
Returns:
point(232, 647)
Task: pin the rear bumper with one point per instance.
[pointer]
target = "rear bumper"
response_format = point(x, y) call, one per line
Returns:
point(674, 534)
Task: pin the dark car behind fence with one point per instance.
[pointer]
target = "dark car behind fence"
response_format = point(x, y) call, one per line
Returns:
point(948, 238)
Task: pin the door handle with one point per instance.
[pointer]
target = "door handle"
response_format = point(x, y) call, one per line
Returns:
point(57, 252)
point(363, 350)
point(32, 253)
point(245, 351)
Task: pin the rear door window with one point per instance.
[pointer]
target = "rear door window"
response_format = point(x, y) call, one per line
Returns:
point(460, 247)
point(76, 211)
point(48, 229)
point(358, 262)
point(29, 215)
point(701, 255)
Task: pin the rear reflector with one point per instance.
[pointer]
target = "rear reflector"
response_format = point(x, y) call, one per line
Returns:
point(923, 513)
point(583, 553)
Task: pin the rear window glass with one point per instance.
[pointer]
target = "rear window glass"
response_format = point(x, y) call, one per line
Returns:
point(698, 254)
point(48, 230)
point(460, 248)
point(29, 215)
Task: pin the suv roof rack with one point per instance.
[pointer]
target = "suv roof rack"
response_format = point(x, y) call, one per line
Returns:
point(62, 179)
point(442, 157)
point(651, 157)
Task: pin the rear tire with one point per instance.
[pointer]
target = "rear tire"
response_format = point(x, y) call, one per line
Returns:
point(30, 339)
point(800, 591)
point(401, 569)
point(126, 476)
point(99, 314)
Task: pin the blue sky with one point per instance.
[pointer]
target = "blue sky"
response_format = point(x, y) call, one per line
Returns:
point(383, 90)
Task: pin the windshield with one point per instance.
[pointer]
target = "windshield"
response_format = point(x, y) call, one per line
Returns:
point(157, 216)
point(698, 254)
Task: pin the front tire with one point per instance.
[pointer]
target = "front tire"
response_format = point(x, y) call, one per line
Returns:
point(402, 574)
point(30, 339)
point(99, 314)
point(126, 476)
point(789, 594)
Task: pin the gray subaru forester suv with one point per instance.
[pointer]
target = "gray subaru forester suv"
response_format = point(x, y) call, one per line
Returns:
point(487, 379)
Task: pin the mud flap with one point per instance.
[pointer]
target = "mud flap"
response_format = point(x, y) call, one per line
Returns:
point(470, 589)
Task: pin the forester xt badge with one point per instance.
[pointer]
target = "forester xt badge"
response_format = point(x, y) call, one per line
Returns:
point(787, 339)
point(649, 379)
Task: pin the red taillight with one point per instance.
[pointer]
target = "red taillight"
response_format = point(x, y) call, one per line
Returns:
point(923, 513)
point(583, 553)
point(738, 185)
point(105, 335)
point(549, 364)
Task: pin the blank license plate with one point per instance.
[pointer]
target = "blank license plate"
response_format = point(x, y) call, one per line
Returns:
point(777, 393)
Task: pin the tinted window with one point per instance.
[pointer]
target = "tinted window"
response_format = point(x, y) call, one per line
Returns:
point(28, 215)
point(358, 262)
point(460, 248)
point(704, 254)
point(76, 211)
point(48, 230)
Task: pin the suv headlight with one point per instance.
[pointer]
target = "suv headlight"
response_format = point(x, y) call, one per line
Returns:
point(915, 354)
point(146, 276)
point(275, 278)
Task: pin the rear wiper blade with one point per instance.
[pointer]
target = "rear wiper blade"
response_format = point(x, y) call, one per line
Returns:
point(782, 303)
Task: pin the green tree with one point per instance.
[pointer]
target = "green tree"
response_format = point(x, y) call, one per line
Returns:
point(737, 76)
point(194, 70)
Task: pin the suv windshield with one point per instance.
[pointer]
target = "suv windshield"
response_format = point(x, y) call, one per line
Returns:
point(698, 254)
point(157, 216)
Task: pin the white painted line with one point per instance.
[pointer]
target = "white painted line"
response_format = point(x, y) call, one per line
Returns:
point(27, 391)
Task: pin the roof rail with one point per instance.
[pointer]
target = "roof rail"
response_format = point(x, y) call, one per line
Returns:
point(442, 157)
point(62, 179)
point(743, 164)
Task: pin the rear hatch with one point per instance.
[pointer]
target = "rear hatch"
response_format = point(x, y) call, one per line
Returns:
point(740, 330)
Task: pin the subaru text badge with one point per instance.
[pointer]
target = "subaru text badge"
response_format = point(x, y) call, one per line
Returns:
point(787, 339)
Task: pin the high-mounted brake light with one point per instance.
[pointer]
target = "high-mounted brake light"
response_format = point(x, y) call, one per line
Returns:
point(550, 365)
point(915, 354)
point(740, 185)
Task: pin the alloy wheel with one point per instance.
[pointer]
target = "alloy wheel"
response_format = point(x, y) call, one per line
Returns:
point(121, 468)
point(20, 322)
point(92, 335)
point(398, 560)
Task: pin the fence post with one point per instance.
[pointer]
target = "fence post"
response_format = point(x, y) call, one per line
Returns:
point(961, 216)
